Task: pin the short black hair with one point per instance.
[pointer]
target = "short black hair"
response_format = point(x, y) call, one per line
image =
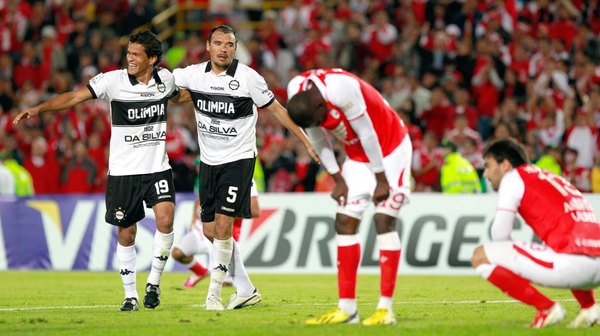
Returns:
point(299, 109)
point(150, 42)
point(225, 29)
point(507, 149)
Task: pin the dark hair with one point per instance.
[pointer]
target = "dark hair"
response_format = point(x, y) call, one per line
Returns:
point(298, 108)
point(225, 29)
point(507, 149)
point(150, 42)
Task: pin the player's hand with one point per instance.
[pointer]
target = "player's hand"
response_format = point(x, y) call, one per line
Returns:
point(340, 191)
point(27, 113)
point(382, 189)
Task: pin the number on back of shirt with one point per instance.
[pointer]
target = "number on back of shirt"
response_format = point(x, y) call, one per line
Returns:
point(162, 187)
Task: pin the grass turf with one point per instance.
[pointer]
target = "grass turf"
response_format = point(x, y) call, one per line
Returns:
point(86, 303)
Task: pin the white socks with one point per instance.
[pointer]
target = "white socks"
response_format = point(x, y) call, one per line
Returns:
point(347, 306)
point(241, 281)
point(126, 256)
point(220, 259)
point(385, 302)
point(162, 250)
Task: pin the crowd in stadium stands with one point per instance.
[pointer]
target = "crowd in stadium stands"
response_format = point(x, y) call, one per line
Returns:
point(465, 71)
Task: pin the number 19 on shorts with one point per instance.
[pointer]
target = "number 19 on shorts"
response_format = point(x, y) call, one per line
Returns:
point(162, 187)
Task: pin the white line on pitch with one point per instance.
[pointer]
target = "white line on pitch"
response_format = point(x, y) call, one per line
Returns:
point(7, 309)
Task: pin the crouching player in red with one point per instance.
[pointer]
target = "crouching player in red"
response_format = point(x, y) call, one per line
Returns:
point(560, 217)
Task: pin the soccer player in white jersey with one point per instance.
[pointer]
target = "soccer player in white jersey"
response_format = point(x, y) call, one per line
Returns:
point(559, 215)
point(377, 170)
point(225, 94)
point(139, 168)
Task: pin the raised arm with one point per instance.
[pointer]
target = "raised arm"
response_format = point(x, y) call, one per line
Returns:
point(60, 102)
point(281, 114)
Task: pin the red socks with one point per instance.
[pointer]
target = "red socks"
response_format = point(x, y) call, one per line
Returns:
point(388, 264)
point(519, 288)
point(348, 258)
point(198, 269)
point(237, 228)
point(584, 297)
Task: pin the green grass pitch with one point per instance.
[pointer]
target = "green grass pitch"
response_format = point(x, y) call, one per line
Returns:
point(86, 303)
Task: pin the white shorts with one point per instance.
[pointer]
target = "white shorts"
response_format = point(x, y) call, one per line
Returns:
point(361, 182)
point(194, 242)
point(543, 266)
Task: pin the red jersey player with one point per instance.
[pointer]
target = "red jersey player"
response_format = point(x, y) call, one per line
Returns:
point(560, 217)
point(377, 169)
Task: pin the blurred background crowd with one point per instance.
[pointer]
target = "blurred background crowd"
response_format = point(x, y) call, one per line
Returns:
point(460, 73)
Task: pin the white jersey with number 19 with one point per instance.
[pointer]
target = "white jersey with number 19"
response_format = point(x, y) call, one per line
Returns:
point(139, 120)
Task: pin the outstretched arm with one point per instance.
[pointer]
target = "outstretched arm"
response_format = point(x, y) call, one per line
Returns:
point(281, 114)
point(60, 102)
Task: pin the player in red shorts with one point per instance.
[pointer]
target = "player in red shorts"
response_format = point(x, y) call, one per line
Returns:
point(377, 170)
point(559, 215)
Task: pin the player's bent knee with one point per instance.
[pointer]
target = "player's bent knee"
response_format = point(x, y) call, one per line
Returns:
point(177, 254)
point(479, 257)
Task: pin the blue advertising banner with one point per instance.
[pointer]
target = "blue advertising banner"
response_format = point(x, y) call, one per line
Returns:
point(293, 234)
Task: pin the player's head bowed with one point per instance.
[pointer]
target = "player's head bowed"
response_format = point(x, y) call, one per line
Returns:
point(307, 108)
point(507, 149)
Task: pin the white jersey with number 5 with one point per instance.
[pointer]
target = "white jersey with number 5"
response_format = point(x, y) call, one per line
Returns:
point(226, 109)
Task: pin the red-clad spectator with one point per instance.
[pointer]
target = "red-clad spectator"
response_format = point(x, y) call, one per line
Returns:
point(440, 117)
point(564, 26)
point(64, 22)
point(43, 168)
point(268, 32)
point(99, 154)
point(461, 132)
point(462, 100)
point(51, 54)
point(315, 44)
point(380, 36)
point(426, 162)
point(13, 24)
point(27, 66)
point(486, 85)
point(176, 140)
point(79, 172)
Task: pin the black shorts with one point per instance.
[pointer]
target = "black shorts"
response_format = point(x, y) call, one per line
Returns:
point(124, 196)
point(225, 189)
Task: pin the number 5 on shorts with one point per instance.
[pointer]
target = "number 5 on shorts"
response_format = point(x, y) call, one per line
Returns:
point(232, 194)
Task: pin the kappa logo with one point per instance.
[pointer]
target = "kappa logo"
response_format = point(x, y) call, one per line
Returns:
point(162, 258)
point(126, 272)
point(222, 268)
